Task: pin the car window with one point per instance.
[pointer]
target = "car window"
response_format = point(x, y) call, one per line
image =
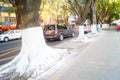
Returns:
point(61, 27)
point(11, 32)
point(6, 32)
point(49, 27)
point(64, 27)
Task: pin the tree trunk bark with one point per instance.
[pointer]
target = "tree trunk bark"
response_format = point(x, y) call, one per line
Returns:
point(28, 13)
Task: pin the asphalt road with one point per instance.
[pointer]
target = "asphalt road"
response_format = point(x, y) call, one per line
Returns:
point(8, 50)
point(99, 61)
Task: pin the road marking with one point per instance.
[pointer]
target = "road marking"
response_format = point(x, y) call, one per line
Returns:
point(8, 58)
point(12, 50)
point(8, 49)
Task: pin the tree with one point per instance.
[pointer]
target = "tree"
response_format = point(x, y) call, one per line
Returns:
point(54, 11)
point(108, 10)
point(81, 9)
point(35, 56)
point(23, 9)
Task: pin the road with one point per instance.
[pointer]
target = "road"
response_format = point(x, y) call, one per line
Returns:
point(8, 50)
point(99, 61)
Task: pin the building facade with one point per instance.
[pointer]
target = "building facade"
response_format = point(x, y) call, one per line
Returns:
point(5, 14)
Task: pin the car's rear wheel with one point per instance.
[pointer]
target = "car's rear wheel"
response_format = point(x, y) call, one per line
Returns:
point(6, 39)
point(61, 37)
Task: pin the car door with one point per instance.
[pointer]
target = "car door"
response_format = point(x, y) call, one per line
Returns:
point(17, 34)
point(11, 35)
point(66, 30)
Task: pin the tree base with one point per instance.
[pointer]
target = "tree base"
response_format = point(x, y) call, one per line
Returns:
point(81, 37)
point(34, 58)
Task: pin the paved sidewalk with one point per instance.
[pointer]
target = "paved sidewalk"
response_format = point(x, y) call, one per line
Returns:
point(75, 47)
point(100, 61)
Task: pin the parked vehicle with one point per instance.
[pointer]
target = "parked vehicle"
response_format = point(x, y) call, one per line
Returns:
point(10, 35)
point(118, 27)
point(1, 32)
point(4, 26)
point(57, 31)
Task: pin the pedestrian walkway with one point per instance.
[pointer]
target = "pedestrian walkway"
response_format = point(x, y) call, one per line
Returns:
point(99, 61)
point(75, 48)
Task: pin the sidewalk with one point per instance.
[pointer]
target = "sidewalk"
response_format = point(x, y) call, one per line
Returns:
point(75, 48)
point(99, 61)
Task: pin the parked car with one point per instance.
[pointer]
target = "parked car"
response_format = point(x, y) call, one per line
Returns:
point(57, 31)
point(1, 32)
point(118, 27)
point(105, 26)
point(4, 26)
point(10, 35)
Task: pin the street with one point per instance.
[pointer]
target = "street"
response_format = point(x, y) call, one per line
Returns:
point(99, 61)
point(8, 50)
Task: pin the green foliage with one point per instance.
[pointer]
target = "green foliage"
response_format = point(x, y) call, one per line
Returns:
point(108, 10)
point(5, 1)
point(54, 10)
point(81, 8)
point(10, 9)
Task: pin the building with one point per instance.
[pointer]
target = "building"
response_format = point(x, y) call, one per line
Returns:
point(5, 14)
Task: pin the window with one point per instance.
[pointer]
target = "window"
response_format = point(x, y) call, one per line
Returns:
point(6, 19)
point(11, 19)
point(61, 26)
point(50, 27)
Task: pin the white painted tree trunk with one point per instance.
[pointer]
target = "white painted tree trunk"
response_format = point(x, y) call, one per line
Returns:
point(94, 29)
point(35, 56)
point(82, 37)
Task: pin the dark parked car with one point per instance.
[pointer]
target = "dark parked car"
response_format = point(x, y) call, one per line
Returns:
point(118, 27)
point(57, 31)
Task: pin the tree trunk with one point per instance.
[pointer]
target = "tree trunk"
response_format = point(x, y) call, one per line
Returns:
point(80, 21)
point(28, 13)
point(79, 10)
point(35, 56)
point(82, 38)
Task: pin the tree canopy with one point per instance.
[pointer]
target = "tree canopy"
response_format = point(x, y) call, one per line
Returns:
point(108, 10)
point(54, 10)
